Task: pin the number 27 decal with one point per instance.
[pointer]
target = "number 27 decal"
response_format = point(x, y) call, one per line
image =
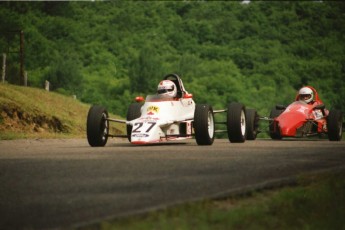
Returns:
point(137, 128)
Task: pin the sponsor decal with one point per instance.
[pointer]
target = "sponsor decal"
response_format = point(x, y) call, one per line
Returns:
point(140, 135)
point(302, 109)
point(148, 119)
point(152, 109)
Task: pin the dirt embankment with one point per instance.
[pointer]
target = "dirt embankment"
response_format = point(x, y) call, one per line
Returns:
point(14, 119)
point(34, 113)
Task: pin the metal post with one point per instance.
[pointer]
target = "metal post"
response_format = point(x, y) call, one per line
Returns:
point(3, 67)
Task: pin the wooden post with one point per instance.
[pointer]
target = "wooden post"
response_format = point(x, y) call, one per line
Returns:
point(3, 67)
point(21, 57)
point(25, 78)
point(47, 85)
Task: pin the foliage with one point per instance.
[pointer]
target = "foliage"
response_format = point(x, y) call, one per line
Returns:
point(107, 53)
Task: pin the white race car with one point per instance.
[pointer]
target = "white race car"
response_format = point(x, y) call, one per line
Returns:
point(161, 119)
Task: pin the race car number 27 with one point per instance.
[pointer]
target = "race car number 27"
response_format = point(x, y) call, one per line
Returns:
point(143, 127)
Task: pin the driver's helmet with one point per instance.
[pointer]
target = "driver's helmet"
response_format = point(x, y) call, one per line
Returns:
point(306, 94)
point(167, 89)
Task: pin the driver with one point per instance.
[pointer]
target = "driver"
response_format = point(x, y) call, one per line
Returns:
point(306, 95)
point(167, 89)
point(309, 95)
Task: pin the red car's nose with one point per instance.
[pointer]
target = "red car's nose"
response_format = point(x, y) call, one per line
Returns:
point(289, 123)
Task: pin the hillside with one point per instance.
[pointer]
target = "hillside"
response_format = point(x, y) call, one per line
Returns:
point(107, 52)
point(34, 113)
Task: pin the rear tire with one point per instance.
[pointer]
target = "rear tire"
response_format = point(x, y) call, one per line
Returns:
point(203, 124)
point(273, 127)
point(97, 126)
point(335, 125)
point(252, 124)
point(133, 112)
point(236, 122)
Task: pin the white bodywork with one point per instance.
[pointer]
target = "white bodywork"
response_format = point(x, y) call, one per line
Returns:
point(163, 119)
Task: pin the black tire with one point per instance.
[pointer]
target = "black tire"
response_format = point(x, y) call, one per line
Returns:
point(236, 122)
point(97, 126)
point(273, 128)
point(252, 124)
point(133, 112)
point(335, 125)
point(203, 124)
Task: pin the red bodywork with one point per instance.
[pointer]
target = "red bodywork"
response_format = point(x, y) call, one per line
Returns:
point(301, 119)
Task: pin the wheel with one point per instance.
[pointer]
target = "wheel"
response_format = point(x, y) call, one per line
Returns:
point(236, 122)
point(133, 112)
point(203, 124)
point(273, 127)
point(252, 124)
point(97, 126)
point(335, 125)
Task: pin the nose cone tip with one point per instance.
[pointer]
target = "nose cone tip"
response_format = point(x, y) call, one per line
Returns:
point(287, 131)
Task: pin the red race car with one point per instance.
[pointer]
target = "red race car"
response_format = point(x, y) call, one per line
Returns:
point(301, 119)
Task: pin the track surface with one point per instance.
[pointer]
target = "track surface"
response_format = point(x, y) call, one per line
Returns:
point(64, 183)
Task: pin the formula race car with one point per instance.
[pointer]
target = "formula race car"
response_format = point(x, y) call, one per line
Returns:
point(300, 119)
point(159, 119)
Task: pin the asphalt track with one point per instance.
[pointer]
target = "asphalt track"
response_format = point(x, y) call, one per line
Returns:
point(65, 183)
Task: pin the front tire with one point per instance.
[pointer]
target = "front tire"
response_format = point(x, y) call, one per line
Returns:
point(236, 122)
point(97, 126)
point(133, 112)
point(252, 124)
point(273, 127)
point(335, 125)
point(204, 124)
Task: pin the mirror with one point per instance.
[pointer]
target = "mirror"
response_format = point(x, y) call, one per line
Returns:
point(321, 106)
point(139, 99)
point(280, 107)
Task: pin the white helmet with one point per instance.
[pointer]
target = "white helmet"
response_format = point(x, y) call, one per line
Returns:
point(167, 88)
point(306, 94)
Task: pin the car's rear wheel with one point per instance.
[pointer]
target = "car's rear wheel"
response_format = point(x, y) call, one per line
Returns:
point(273, 126)
point(335, 125)
point(97, 126)
point(252, 124)
point(203, 124)
point(236, 122)
point(133, 112)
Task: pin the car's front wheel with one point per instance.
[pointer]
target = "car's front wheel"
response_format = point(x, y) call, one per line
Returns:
point(133, 112)
point(273, 126)
point(236, 122)
point(203, 124)
point(252, 124)
point(97, 126)
point(335, 125)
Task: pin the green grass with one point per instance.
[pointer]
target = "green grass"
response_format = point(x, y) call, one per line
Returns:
point(35, 113)
point(316, 202)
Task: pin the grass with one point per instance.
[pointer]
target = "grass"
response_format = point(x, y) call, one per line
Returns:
point(35, 113)
point(316, 202)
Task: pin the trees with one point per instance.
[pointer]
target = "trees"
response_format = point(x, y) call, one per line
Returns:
point(65, 74)
point(224, 51)
point(145, 71)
